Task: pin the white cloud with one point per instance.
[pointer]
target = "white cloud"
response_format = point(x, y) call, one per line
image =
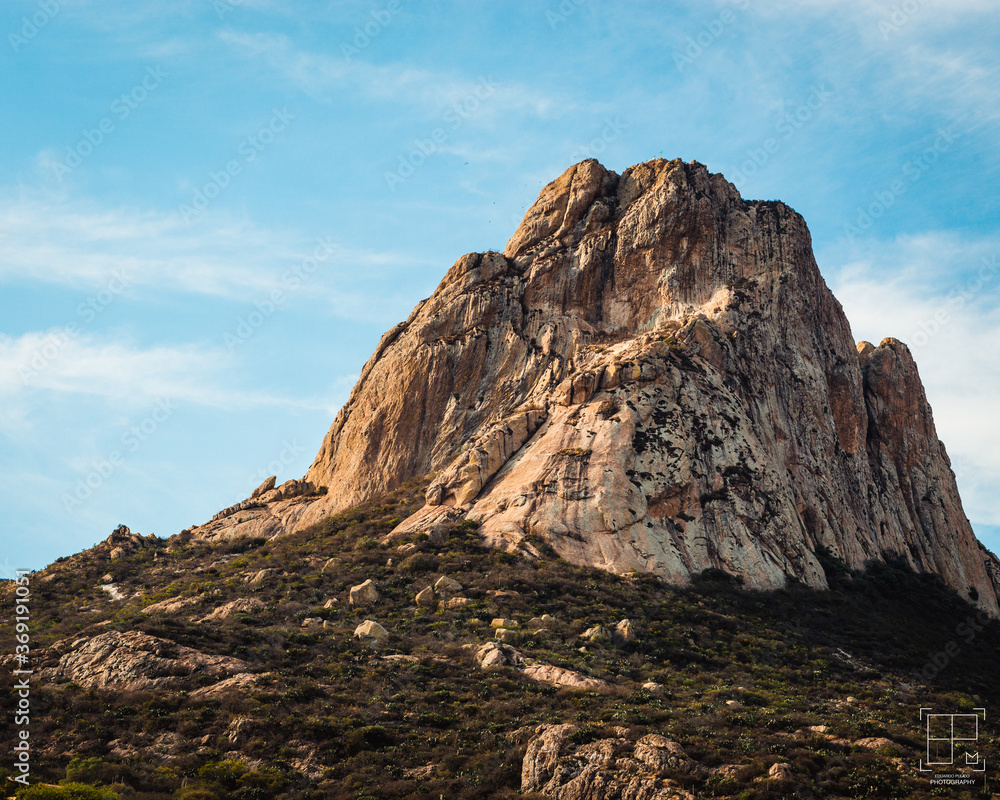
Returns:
point(75, 243)
point(66, 363)
point(318, 73)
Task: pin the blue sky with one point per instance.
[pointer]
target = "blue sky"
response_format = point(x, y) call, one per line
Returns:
point(210, 210)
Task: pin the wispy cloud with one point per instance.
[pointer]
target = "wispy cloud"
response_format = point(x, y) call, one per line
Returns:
point(61, 362)
point(318, 74)
point(78, 244)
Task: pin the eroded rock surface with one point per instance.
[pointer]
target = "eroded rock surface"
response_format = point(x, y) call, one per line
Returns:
point(133, 660)
point(556, 766)
point(652, 376)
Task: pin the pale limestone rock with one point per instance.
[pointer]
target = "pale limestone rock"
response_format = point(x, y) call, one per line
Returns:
point(505, 635)
point(371, 633)
point(780, 772)
point(238, 683)
point(501, 622)
point(494, 654)
point(625, 632)
point(171, 605)
point(133, 660)
point(607, 768)
point(447, 586)
point(653, 687)
point(596, 634)
point(363, 594)
point(265, 487)
point(426, 598)
point(457, 602)
point(243, 605)
point(257, 578)
point(558, 676)
point(660, 753)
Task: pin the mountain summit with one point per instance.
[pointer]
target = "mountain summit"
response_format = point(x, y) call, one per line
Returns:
point(652, 376)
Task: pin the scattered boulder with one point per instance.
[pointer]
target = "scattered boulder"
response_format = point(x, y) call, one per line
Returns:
point(501, 622)
point(544, 621)
point(557, 676)
point(244, 605)
point(266, 486)
point(506, 634)
point(363, 594)
point(653, 687)
point(407, 549)
point(313, 622)
point(874, 742)
point(596, 634)
point(457, 602)
point(331, 602)
point(112, 590)
point(371, 633)
point(624, 632)
point(446, 586)
point(426, 598)
point(259, 577)
point(780, 772)
point(493, 654)
point(171, 605)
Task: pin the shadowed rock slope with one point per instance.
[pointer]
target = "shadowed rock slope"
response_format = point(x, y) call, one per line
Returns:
point(652, 376)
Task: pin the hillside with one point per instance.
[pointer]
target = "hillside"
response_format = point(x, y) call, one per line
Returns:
point(234, 671)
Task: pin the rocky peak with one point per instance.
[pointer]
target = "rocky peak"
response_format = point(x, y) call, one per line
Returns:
point(654, 376)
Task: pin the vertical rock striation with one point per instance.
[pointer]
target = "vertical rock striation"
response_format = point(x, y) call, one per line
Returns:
point(655, 376)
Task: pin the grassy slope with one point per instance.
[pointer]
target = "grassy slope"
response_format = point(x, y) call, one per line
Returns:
point(849, 659)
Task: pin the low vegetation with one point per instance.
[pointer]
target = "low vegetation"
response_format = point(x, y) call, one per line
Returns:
point(741, 678)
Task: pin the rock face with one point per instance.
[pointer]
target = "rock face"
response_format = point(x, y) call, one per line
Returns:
point(612, 767)
point(133, 660)
point(654, 376)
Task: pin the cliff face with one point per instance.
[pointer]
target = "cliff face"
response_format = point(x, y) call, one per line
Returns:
point(653, 376)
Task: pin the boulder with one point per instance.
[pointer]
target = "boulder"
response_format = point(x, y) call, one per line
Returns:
point(447, 586)
point(371, 633)
point(266, 486)
point(596, 635)
point(426, 598)
point(243, 605)
point(363, 594)
point(624, 632)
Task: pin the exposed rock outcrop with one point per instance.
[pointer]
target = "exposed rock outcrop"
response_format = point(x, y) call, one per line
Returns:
point(133, 660)
point(652, 376)
point(610, 767)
